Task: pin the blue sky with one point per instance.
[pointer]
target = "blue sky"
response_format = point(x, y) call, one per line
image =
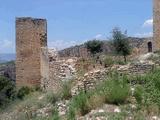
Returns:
point(73, 22)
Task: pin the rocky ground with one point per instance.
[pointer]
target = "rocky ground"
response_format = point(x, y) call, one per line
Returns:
point(37, 106)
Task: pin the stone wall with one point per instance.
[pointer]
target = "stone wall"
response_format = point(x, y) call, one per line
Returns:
point(31, 36)
point(44, 66)
point(75, 51)
point(136, 68)
point(139, 45)
point(60, 69)
point(91, 79)
point(156, 24)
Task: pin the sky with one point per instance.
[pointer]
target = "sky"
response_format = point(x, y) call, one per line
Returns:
point(72, 22)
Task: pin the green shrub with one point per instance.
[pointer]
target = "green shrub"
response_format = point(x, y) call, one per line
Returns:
point(96, 100)
point(38, 88)
point(23, 91)
point(116, 90)
point(71, 113)
point(151, 89)
point(138, 94)
point(80, 102)
point(120, 62)
point(55, 115)
point(7, 91)
point(66, 90)
point(108, 61)
point(94, 46)
point(52, 97)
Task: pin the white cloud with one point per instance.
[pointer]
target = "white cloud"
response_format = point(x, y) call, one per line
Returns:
point(61, 44)
point(148, 23)
point(7, 46)
point(149, 34)
point(98, 36)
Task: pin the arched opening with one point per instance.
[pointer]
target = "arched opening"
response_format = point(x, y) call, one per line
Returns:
point(149, 46)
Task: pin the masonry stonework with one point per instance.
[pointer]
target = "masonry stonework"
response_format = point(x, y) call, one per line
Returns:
point(156, 24)
point(31, 47)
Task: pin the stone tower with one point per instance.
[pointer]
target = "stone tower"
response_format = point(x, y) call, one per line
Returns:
point(31, 51)
point(156, 24)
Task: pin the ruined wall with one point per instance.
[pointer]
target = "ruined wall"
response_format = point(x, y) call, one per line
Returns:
point(139, 45)
point(156, 24)
point(91, 79)
point(75, 51)
point(31, 37)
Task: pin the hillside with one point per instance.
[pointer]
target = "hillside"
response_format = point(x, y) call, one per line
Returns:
point(93, 92)
point(4, 57)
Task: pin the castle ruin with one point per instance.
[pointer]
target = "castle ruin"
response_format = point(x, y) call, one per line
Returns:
point(156, 24)
point(32, 62)
point(32, 66)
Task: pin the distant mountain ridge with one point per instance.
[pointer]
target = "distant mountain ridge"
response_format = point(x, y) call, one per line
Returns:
point(5, 57)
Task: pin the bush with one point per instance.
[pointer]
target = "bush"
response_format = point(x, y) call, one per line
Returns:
point(7, 91)
point(108, 61)
point(71, 113)
point(81, 103)
point(94, 46)
point(38, 88)
point(151, 90)
point(66, 90)
point(23, 91)
point(96, 100)
point(120, 62)
point(121, 43)
point(138, 94)
point(52, 97)
point(116, 90)
point(55, 115)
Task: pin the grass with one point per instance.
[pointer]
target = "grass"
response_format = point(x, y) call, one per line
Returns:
point(81, 103)
point(71, 113)
point(66, 90)
point(52, 97)
point(114, 90)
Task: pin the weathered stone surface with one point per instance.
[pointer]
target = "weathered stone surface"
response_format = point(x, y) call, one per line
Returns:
point(156, 24)
point(139, 45)
point(31, 58)
point(136, 68)
point(89, 81)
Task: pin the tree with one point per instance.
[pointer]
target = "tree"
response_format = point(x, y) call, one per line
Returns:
point(7, 91)
point(94, 46)
point(121, 43)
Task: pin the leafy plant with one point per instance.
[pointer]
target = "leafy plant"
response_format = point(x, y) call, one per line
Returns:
point(108, 61)
point(116, 90)
point(138, 94)
point(81, 104)
point(71, 113)
point(94, 46)
point(23, 91)
point(55, 115)
point(7, 91)
point(96, 100)
point(66, 90)
point(121, 43)
point(52, 97)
